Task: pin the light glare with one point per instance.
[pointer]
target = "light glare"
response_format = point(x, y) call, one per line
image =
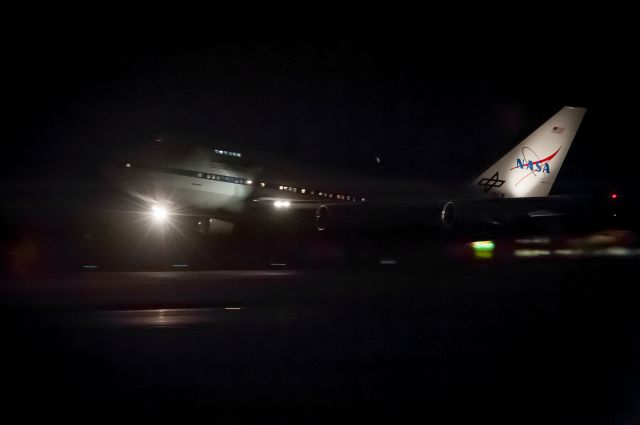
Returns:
point(159, 213)
point(282, 204)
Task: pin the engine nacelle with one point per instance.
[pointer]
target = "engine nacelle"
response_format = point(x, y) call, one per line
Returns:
point(448, 214)
point(341, 217)
point(322, 217)
point(385, 218)
point(214, 226)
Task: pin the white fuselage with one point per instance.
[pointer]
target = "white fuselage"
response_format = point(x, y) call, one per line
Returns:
point(198, 178)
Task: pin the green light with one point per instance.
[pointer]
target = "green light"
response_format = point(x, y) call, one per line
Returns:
point(483, 255)
point(483, 246)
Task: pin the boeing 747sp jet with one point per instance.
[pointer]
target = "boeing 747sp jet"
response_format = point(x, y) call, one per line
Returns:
point(213, 188)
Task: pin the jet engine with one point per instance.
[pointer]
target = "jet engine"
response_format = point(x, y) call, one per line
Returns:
point(448, 214)
point(322, 217)
point(214, 226)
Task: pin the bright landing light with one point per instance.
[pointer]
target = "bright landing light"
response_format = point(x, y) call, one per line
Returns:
point(282, 204)
point(159, 213)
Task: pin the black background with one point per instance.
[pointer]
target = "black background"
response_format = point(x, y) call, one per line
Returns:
point(432, 105)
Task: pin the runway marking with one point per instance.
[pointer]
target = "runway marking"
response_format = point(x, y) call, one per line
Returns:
point(162, 317)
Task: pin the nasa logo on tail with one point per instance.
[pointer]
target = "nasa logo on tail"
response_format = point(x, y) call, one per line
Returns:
point(533, 166)
point(530, 168)
point(541, 166)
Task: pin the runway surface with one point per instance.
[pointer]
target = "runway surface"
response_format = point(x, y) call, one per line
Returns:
point(516, 342)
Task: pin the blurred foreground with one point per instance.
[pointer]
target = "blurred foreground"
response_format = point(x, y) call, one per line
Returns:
point(513, 342)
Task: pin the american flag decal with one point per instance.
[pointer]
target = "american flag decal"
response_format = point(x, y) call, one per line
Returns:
point(557, 130)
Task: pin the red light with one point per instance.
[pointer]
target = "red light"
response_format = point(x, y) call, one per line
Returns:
point(614, 196)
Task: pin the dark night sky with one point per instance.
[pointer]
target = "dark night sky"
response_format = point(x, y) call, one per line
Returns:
point(322, 95)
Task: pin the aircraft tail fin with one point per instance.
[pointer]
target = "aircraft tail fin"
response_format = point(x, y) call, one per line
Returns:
point(531, 168)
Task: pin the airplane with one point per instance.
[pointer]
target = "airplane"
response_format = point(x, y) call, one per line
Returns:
point(215, 189)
